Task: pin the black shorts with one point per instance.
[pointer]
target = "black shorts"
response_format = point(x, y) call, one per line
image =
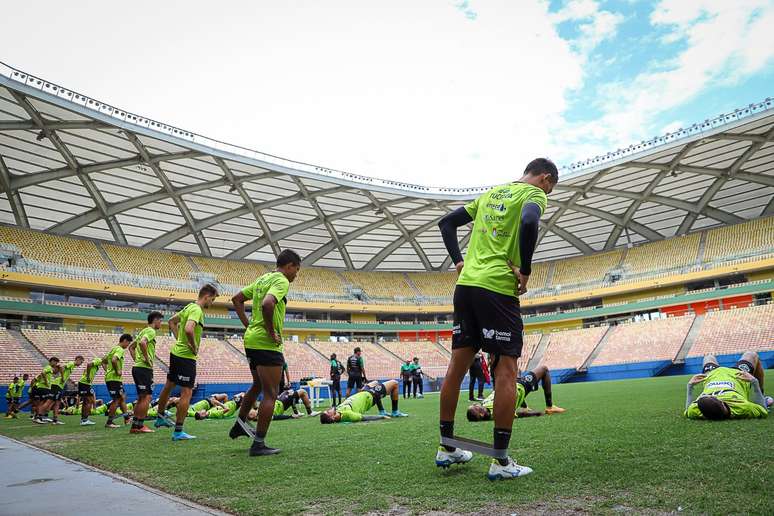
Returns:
point(529, 381)
point(487, 320)
point(41, 394)
point(378, 392)
point(742, 365)
point(115, 389)
point(84, 389)
point(15, 401)
point(355, 381)
point(182, 371)
point(143, 380)
point(56, 392)
point(264, 357)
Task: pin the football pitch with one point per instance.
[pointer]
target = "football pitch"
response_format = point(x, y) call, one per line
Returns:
point(622, 446)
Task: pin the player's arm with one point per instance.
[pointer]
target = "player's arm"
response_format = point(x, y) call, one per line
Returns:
point(522, 412)
point(372, 418)
point(174, 324)
point(287, 376)
point(448, 226)
point(190, 333)
point(144, 348)
point(528, 235)
point(280, 417)
point(267, 310)
point(362, 369)
point(239, 307)
point(756, 396)
point(114, 364)
point(695, 380)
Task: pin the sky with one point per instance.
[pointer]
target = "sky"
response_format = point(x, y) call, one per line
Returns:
point(433, 92)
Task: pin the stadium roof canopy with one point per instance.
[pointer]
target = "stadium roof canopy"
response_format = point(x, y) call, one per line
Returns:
point(73, 165)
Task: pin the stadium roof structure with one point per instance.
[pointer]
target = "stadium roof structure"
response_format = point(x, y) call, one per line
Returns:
point(73, 165)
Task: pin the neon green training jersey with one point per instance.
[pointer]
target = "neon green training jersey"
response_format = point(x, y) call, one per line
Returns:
point(91, 370)
point(521, 395)
point(723, 383)
point(353, 408)
point(256, 336)
point(227, 410)
point(62, 378)
point(114, 374)
point(192, 312)
point(149, 334)
point(495, 237)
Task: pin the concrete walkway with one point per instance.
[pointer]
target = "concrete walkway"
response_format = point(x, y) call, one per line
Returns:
point(35, 482)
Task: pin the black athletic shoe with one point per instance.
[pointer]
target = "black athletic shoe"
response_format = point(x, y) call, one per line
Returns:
point(256, 450)
point(237, 431)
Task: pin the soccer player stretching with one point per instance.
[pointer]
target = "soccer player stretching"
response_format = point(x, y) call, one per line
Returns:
point(114, 368)
point(144, 351)
point(486, 305)
point(187, 324)
point(263, 345)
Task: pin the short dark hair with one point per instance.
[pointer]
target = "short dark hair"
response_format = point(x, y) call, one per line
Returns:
point(53, 359)
point(154, 315)
point(543, 166)
point(79, 356)
point(357, 350)
point(287, 256)
point(125, 336)
point(712, 408)
point(326, 418)
point(208, 289)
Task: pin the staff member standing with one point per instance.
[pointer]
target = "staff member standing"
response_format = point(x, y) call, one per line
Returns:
point(355, 371)
point(476, 374)
point(405, 376)
point(336, 370)
point(416, 378)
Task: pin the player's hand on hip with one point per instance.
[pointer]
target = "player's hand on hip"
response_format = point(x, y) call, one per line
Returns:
point(276, 337)
point(698, 378)
point(459, 267)
point(521, 279)
point(745, 376)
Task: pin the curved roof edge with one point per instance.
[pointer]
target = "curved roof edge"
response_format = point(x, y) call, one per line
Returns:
point(103, 111)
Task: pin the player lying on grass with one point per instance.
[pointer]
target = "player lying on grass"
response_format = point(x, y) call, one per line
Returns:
point(216, 400)
point(728, 392)
point(526, 384)
point(221, 408)
point(98, 407)
point(288, 399)
point(353, 409)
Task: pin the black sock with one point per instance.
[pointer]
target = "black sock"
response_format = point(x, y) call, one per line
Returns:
point(447, 430)
point(259, 438)
point(178, 427)
point(502, 437)
point(308, 411)
point(394, 405)
point(549, 401)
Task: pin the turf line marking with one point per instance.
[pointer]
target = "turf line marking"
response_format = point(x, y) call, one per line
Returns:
point(116, 476)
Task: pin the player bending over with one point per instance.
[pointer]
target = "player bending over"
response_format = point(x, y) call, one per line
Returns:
point(353, 409)
point(288, 399)
point(728, 392)
point(525, 385)
point(114, 367)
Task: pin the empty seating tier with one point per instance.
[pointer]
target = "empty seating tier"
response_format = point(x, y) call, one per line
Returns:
point(434, 363)
point(15, 359)
point(146, 262)
point(584, 269)
point(732, 240)
point(736, 331)
point(45, 248)
point(230, 272)
point(571, 348)
point(674, 252)
point(644, 341)
point(531, 341)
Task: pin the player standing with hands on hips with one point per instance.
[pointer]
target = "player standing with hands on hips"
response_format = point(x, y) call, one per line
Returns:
point(494, 273)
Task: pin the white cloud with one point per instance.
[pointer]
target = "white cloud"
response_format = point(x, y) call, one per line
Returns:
point(724, 42)
point(594, 24)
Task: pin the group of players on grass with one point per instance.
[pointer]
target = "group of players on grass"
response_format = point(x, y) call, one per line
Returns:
point(487, 318)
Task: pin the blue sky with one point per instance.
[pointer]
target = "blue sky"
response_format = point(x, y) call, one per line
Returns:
point(438, 92)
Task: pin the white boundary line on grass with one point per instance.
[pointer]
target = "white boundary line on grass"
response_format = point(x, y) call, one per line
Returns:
point(116, 476)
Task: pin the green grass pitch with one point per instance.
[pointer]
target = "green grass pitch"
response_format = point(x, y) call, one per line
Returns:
point(621, 446)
